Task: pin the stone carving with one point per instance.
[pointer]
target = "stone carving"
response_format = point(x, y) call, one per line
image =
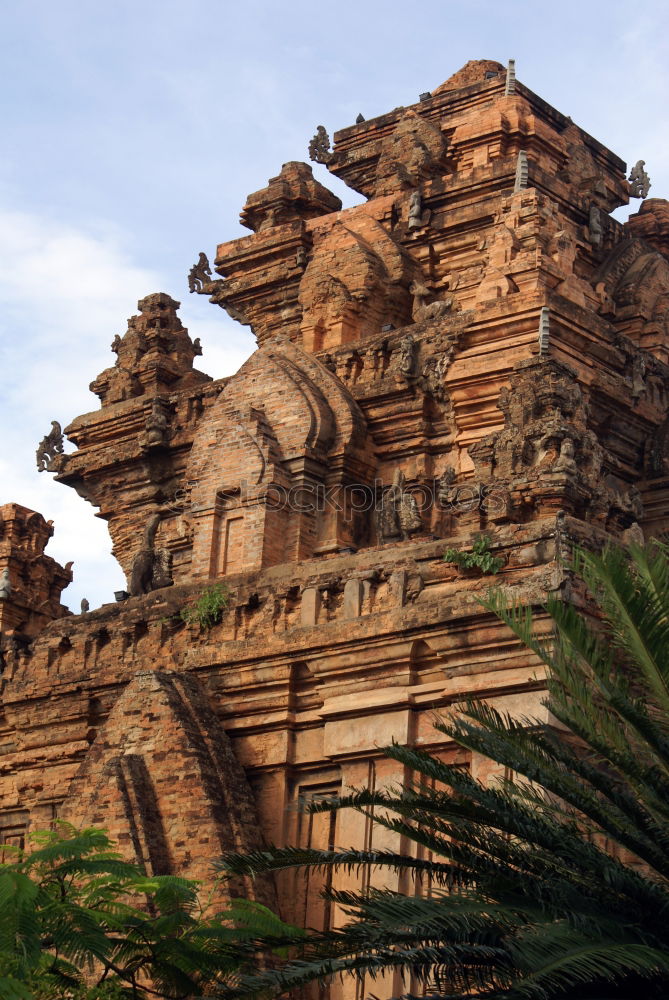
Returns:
point(199, 274)
point(638, 377)
point(319, 147)
point(510, 85)
point(151, 567)
point(415, 211)
point(397, 515)
point(85, 606)
point(639, 180)
point(406, 357)
point(544, 330)
point(566, 461)
point(156, 424)
point(521, 172)
point(595, 230)
point(49, 447)
point(446, 492)
point(421, 310)
point(360, 119)
point(433, 373)
point(546, 439)
point(5, 585)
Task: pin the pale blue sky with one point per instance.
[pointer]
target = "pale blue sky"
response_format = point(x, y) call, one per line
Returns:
point(133, 131)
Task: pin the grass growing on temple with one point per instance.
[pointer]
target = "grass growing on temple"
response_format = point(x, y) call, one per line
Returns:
point(77, 922)
point(554, 884)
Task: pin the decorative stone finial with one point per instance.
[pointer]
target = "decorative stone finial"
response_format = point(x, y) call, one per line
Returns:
point(639, 180)
point(85, 606)
point(360, 119)
point(544, 331)
point(521, 172)
point(510, 86)
point(199, 274)
point(319, 147)
point(50, 446)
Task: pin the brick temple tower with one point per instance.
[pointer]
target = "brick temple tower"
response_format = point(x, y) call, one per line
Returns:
point(479, 348)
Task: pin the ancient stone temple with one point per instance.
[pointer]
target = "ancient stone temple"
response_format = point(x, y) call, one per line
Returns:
point(478, 350)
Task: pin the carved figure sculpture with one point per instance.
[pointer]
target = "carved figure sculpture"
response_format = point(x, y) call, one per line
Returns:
point(566, 461)
point(319, 147)
point(639, 180)
point(156, 424)
point(415, 211)
point(5, 585)
point(446, 492)
point(50, 446)
point(151, 567)
point(434, 373)
point(407, 356)
point(398, 515)
point(199, 274)
point(420, 309)
point(595, 231)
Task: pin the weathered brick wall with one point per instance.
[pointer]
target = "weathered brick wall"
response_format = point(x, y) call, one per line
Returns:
point(479, 347)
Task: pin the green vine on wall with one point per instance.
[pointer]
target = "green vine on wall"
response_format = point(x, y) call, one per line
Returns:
point(207, 609)
point(480, 557)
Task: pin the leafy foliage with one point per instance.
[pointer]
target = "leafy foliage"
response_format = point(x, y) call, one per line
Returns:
point(207, 610)
point(79, 923)
point(480, 557)
point(553, 884)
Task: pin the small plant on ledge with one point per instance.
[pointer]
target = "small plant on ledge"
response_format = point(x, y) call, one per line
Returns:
point(207, 610)
point(480, 557)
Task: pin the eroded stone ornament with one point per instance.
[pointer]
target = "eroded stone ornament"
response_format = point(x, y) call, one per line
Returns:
point(319, 147)
point(639, 180)
point(199, 274)
point(151, 566)
point(5, 585)
point(397, 516)
point(50, 446)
